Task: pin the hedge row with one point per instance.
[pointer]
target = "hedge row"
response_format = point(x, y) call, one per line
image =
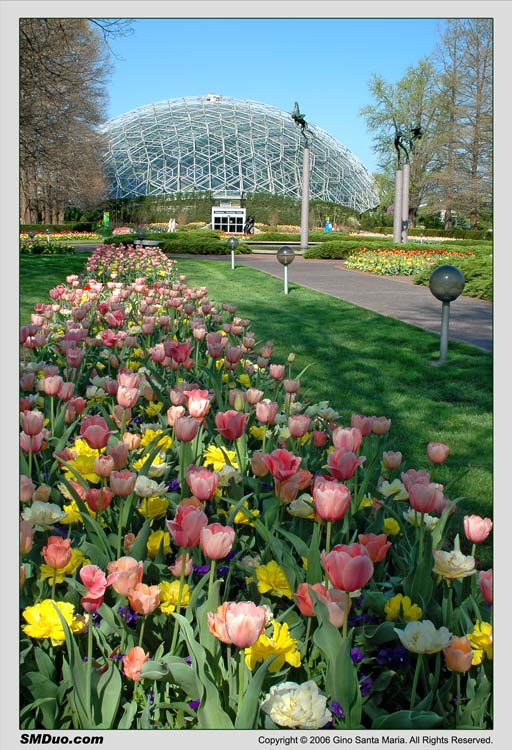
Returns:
point(203, 242)
point(461, 234)
point(46, 248)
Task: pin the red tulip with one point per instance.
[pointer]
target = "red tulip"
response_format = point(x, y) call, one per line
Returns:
point(376, 544)
point(281, 464)
point(342, 464)
point(231, 424)
point(485, 584)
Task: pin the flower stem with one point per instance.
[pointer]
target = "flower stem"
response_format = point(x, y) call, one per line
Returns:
point(178, 604)
point(54, 581)
point(458, 714)
point(345, 618)
point(141, 634)
point(88, 673)
point(415, 680)
point(241, 682)
point(119, 527)
point(212, 577)
point(328, 537)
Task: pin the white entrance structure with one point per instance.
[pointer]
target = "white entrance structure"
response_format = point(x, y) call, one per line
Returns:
point(228, 215)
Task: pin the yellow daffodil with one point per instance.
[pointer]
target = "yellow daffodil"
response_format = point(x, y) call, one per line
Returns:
point(156, 540)
point(44, 622)
point(390, 527)
point(169, 592)
point(76, 561)
point(481, 641)
point(84, 462)
point(244, 380)
point(158, 465)
point(154, 408)
point(153, 507)
point(244, 517)
point(257, 432)
point(148, 436)
point(74, 515)
point(272, 579)
point(280, 644)
point(215, 458)
point(402, 606)
point(395, 489)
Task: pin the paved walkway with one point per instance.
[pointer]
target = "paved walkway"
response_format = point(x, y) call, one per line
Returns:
point(471, 320)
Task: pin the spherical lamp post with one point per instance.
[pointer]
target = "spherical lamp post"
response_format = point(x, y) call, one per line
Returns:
point(31, 234)
point(232, 244)
point(446, 284)
point(48, 232)
point(140, 234)
point(285, 256)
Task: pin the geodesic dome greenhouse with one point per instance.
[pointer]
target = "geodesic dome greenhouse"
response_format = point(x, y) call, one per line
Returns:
point(216, 143)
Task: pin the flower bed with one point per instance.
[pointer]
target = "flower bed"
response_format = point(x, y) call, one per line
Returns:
point(62, 235)
point(399, 262)
point(203, 548)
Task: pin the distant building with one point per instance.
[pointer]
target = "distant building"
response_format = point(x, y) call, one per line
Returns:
point(233, 146)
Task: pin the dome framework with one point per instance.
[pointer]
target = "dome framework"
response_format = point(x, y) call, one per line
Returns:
point(215, 143)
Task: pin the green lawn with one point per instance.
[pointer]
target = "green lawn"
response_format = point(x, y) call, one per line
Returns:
point(363, 363)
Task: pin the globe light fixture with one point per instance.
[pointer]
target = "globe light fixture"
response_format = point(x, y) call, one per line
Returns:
point(31, 234)
point(232, 244)
point(48, 232)
point(285, 256)
point(446, 284)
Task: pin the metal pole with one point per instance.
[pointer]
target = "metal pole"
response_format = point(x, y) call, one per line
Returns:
point(397, 208)
point(444, 331)
point(304, 216)
point(232, 260)
point(286, 279)
point(405, 201)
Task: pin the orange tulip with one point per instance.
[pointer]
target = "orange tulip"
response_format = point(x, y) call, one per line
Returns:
point(133, 662)
point(144, 599)
point(458, 654)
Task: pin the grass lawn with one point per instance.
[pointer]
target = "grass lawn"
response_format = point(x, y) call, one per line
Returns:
point(363, 363)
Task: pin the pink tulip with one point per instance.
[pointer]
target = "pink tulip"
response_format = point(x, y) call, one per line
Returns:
point(122, 482)
point(381, 425)
point(391, 459)
point(266, 411)
point(216, 622)
point(254, 396)
point(233, 354)
point(27, 488)
point(32, 422)
point(52, 384)
point(299, 424)
point(332, 499)
point(244, 623)
point(304, 600)
point(215, 343)
point(320, 438)
point(124, 574)
point(376, 544)
point(94, 430)
point(347, 438)
point(258, 466)
point(32, 443)
point(94, 580)
point(281, 464)
point(437, 453)
point(103, 466)
point(185, 428)
point(412, 476)
point(216, 540)
point(127, 397)
point(336, 603)
point(178, 350)
point(66, 391)
point(348, 567)
point(423, 497)
point(485, 584)
point(119, 451)
point(27, 532)
point(128, 379)
point(133, 661)
point(342, 464)
point(276, 371)
point(186, 526)
point(231, 424)
point(364, 424)
point(198, 403)
point(477, 529)
point(291, 386)
point(57, 552)
point(202, 482)
point(176, 568)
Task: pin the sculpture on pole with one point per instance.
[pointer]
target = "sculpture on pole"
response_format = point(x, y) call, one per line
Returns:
point(300, 120)
point(404, 142)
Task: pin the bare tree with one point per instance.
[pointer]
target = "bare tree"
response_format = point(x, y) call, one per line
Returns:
point(63, 70)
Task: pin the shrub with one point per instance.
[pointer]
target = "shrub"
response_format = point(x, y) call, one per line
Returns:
point(477, 272)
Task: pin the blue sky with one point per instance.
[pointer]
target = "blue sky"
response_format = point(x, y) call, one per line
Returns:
point(324, 64)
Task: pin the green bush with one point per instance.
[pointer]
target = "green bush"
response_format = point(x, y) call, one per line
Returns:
point(198, 242)
point(42, 247)
point(462, 234)
point(477, 271)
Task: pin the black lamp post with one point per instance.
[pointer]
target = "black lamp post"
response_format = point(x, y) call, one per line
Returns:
point(141, 234)
point(446, 284)
point(48, 231)
point(285, 256)
point(232, 244)
point(31, 234)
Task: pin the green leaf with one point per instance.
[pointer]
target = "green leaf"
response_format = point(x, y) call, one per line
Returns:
point(210, 713)
point(251, 702)
point(139, 548)
point(78, 675)
point(45, 665)
point(381, 633)
point(408, 720)
point(44, 692)
point(108, 695)
point(129, 713)
point(314, 572)
point(418, 585)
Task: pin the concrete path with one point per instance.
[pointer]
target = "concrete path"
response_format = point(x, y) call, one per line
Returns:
point(471, 320)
